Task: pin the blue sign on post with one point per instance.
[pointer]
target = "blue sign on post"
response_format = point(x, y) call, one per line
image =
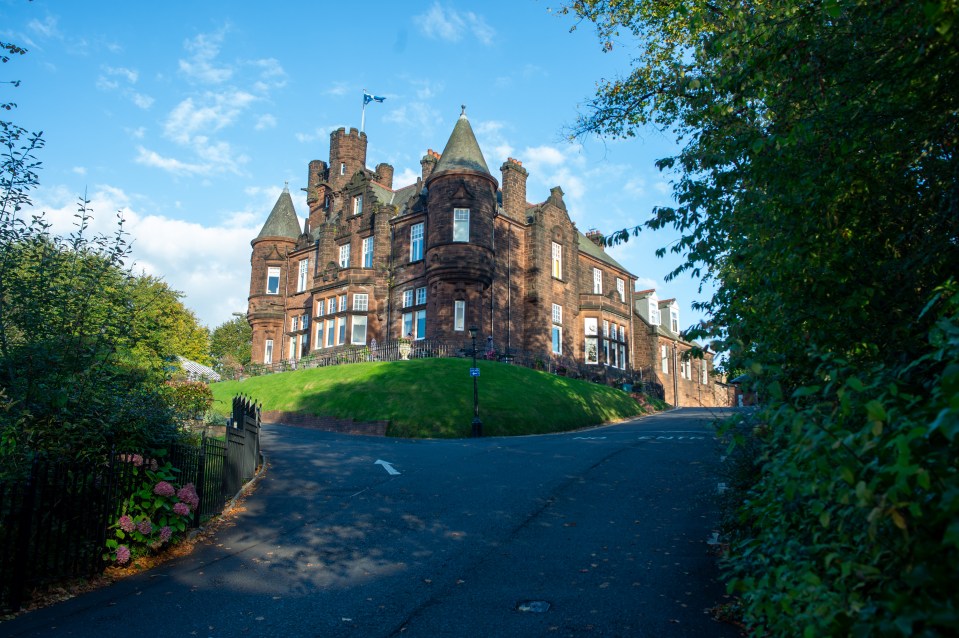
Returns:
point(474, 372)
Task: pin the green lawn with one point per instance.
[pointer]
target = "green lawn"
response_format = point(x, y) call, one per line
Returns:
point(434, 397)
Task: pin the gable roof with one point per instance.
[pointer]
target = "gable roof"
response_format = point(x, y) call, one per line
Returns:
point(282, 221)
point(587, 246)
point(462, 152)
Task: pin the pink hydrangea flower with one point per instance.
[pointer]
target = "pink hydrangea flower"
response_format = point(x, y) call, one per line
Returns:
point(145, 527)
point(166, 533)
point(126, 524)
point(181, 509)
point(188, 495)
point(123, 554)
point(164, 489)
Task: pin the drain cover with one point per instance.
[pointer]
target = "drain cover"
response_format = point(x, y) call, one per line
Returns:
point(534, 606)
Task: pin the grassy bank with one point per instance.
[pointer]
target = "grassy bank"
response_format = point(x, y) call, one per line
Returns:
point(434, 397)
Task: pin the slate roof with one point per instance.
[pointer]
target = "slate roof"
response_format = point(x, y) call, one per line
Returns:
point(282, 221)
point(587, 246)
point(397, 198)
point(462, 152)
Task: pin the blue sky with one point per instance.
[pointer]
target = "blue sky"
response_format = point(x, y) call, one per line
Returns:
point(189, 117)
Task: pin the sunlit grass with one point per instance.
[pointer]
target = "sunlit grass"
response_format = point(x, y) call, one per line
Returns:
point(434, 397)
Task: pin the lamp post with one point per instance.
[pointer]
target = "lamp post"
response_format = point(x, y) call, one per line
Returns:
point(474, 372)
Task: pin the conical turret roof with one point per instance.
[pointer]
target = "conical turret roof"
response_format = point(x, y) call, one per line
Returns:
point(282, 221)
point(462, 151)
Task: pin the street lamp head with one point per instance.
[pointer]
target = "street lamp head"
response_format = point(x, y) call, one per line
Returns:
point(473, 331)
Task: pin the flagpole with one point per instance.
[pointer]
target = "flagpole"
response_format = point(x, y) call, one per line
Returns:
point(363, 115)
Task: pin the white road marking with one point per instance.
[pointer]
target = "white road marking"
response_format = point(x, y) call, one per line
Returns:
point(387, 466)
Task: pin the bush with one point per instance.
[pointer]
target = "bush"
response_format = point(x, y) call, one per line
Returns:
point(852, 525)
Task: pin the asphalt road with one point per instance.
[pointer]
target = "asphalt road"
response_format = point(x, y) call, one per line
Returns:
point(595, 533)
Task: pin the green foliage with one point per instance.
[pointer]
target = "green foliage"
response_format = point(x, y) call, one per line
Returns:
point(156, 514)
point(433, 398)
point(80, 365)
point(188, 399)
point(852, 525)
point(162, 327)
point(231, 345)
point(818, 187)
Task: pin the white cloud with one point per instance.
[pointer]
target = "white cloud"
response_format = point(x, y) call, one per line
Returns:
point(265, 121)
point(209, 112)
point(141, 100)
point(272, 75)
point(188, 256)
point(406, 177)
point(137, 133)
point(147, 157)
point(79, 170)
point(130, 75)
point(204, 49)
point(47, 28)
point(446, 24)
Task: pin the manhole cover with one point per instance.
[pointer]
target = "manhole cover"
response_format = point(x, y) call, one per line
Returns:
point(533, 606)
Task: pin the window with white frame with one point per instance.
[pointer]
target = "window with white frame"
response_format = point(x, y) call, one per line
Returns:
point(597, 281)
point(320, 307)
point(459, 315)
point(358, 205)
point(606, 342)
point(653, 313)
point(461, 224)
point(294, 324)
point(622, 356)
point(674, 319)
point(342, 303)
point(664, 355)
point(292, 347)
point(305, 322)
point(556, 334)
point(614, 355)
point(358, 336)
point(557, 261)
point(268, 352)
point(416, 242)
point(367, 252)
point(273, 281)
point(591, 328)
point(557, 313)
point(420, 324)
point(408, 325)
point(318, 342)
point(340, 330)
point(407, 299)
point(345, 256)
point(703, 373)
point(331, 305)
point(420, 296)
point(330, 332)
point(361, 302)
point(342, 168)
point(621, 289)
point(301, 277)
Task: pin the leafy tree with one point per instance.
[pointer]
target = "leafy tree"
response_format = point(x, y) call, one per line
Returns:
point(162, 326)
point(231, 342)
point(73, 379)
point(818, 186)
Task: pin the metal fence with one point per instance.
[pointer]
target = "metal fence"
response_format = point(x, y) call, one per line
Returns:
point(641, 379)
point(54, 521)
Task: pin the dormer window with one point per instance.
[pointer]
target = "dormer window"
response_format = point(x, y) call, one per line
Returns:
point(597, 281)
point(461, 224)
point(358, 205)
point(674, 319)
point(653, 312)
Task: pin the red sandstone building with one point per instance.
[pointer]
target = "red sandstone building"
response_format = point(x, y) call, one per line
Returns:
point(426, 261)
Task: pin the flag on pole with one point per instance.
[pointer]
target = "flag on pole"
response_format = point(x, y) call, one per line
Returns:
point(367, 98)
